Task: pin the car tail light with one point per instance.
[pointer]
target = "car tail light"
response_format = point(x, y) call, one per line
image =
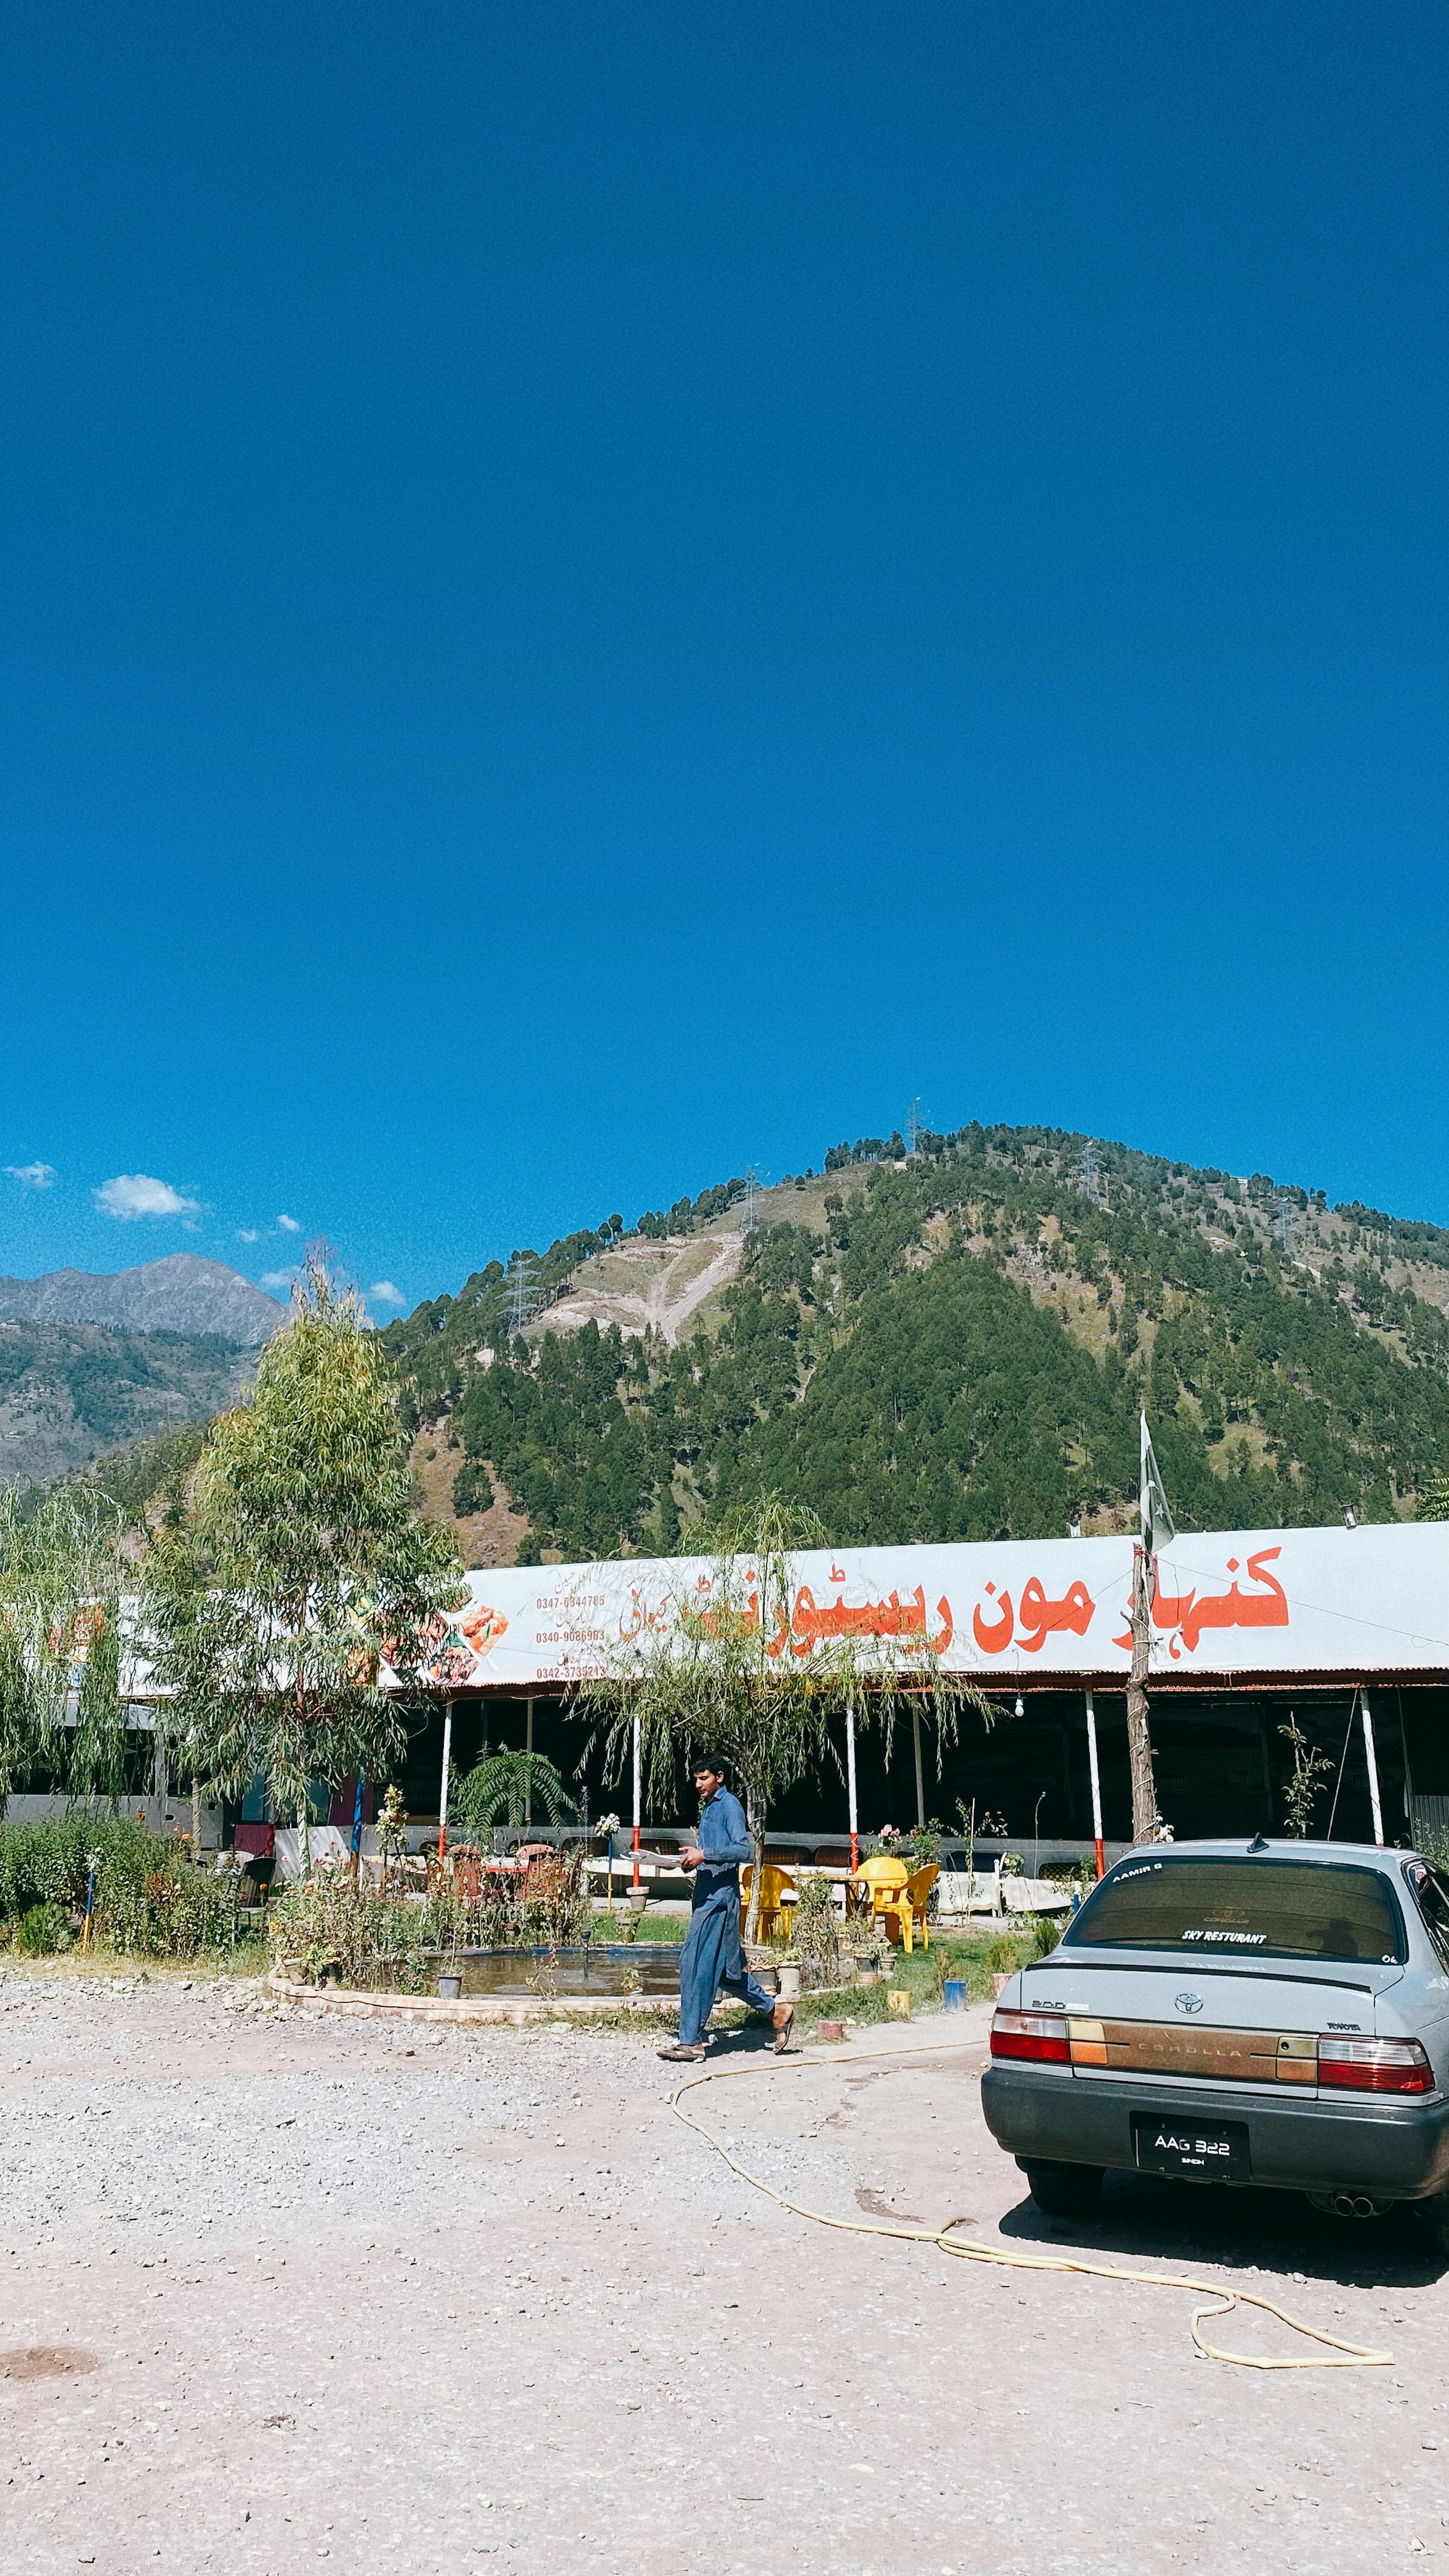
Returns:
point(1374, 2065)
point(1041, 2037)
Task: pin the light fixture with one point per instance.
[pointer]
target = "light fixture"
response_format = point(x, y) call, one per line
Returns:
point(1020, 1710)
point(1074, 1525)
point(1349, 1521)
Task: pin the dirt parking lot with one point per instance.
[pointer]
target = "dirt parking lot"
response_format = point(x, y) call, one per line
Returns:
point(280, 2288)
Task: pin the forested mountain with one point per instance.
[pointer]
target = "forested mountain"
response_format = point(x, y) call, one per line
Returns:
point(69, 1392)
point(952, 1343)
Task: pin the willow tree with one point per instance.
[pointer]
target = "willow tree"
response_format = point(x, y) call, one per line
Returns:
point(61, 1704)
point(299, 1567)
point(733, 1658)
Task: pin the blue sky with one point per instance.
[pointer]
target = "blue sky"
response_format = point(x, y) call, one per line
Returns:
point(592, 595)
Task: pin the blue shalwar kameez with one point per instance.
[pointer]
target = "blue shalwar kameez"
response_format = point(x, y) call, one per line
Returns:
point(713, 1955)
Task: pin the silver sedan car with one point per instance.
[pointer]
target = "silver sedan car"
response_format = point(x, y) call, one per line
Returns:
point(1264, 2012)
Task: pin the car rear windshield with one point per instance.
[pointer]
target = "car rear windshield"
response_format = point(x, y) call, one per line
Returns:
point(1249, 1908)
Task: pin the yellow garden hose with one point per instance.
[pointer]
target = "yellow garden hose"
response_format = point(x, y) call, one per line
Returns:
point(1340, 2356)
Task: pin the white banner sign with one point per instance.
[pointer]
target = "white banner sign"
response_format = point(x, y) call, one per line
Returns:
point(1354, 1602)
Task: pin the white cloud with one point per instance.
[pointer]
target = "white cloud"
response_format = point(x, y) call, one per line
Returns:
point(385, 1293)
point(289, 1225)
point(32, 1176)
point(133, 1194)
point(278, 1278)
point(247, 1234)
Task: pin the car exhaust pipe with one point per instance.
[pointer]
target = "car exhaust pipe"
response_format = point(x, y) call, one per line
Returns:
point(1348, 2204)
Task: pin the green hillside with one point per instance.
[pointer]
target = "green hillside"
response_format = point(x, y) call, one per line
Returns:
point(955, 1345)
point(71, 1392)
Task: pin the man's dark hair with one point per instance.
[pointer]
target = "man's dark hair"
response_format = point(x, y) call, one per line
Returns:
point(709, 1762)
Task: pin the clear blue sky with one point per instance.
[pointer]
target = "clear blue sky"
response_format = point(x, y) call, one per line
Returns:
point(591, 594)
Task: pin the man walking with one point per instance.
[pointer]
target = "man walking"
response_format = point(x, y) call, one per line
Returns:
point(713, 1955)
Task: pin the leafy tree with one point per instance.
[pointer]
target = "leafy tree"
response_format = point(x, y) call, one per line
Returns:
point(60, 1642)
point(298, 1564)
point(716, 1667)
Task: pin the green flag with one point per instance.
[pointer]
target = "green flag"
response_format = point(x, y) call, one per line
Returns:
point(1158, 1527)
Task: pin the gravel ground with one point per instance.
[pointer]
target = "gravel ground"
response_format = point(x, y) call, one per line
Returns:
point(279, 2287)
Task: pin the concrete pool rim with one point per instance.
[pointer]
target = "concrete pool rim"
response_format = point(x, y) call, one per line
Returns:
point(477, 2009)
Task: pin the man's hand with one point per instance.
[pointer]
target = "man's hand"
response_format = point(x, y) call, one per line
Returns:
point(691, 1857)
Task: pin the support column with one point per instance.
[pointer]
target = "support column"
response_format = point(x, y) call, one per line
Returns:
point(920, 1780)
point(528, 1775)
point(1373, 1768)
point(1096, 1784)
point(636, 1801)
point(850, 1787)
point(443, 1790)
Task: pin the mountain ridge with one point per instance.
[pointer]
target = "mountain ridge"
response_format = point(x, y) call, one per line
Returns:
point(182, 1293)
point(947, 1342)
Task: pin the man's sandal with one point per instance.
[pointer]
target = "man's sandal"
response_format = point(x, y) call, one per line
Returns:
point(783, 2028)
point(682, 2056)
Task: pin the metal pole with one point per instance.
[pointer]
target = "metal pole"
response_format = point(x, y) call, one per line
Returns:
point(443, 1790)
point(528, 1774)
point(357, 1801)
point(1096, 1784)
point(850, 1787)
point(636, 1799)
point(1373, 1768)
point(920, 1784)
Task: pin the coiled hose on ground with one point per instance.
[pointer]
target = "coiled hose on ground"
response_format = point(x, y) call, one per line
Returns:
point(1219, 2302)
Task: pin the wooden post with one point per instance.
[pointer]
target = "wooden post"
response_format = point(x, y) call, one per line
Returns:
point(920, 1785)
point(1096, 1784)
point(1139, 1740)
point(443, 1789)
point(850, 1788)
point(1373, 1768)
point(196, 1822)
point(528, 1774)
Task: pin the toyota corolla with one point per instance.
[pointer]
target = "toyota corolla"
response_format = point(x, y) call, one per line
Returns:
point(1272, 2013)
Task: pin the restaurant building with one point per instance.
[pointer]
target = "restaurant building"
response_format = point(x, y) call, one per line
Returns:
point(1343, 1633)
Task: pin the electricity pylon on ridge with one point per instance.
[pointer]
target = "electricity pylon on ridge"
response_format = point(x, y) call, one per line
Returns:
point(521, 1275)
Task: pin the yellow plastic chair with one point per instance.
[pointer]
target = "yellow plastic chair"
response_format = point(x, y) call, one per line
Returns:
point(776, 1894)
point(918, 1893)
point(881, 1887)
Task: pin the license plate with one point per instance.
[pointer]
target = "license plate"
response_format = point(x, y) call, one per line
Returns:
point(1193, 2150)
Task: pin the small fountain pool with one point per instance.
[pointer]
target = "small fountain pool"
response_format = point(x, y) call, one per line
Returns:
point(603, 1969)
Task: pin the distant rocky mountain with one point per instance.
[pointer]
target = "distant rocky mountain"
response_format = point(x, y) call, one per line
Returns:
point(182, 1294)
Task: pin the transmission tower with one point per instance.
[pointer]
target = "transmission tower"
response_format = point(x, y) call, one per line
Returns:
point(913, 1130)
point(750, 1223)
point(1284, 1222)
point(521, 1275)
point(1090, 1181)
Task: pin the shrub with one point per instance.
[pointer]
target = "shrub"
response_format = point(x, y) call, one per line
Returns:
point(149, 1901)
point(816, 1928)
point(41, 1930)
